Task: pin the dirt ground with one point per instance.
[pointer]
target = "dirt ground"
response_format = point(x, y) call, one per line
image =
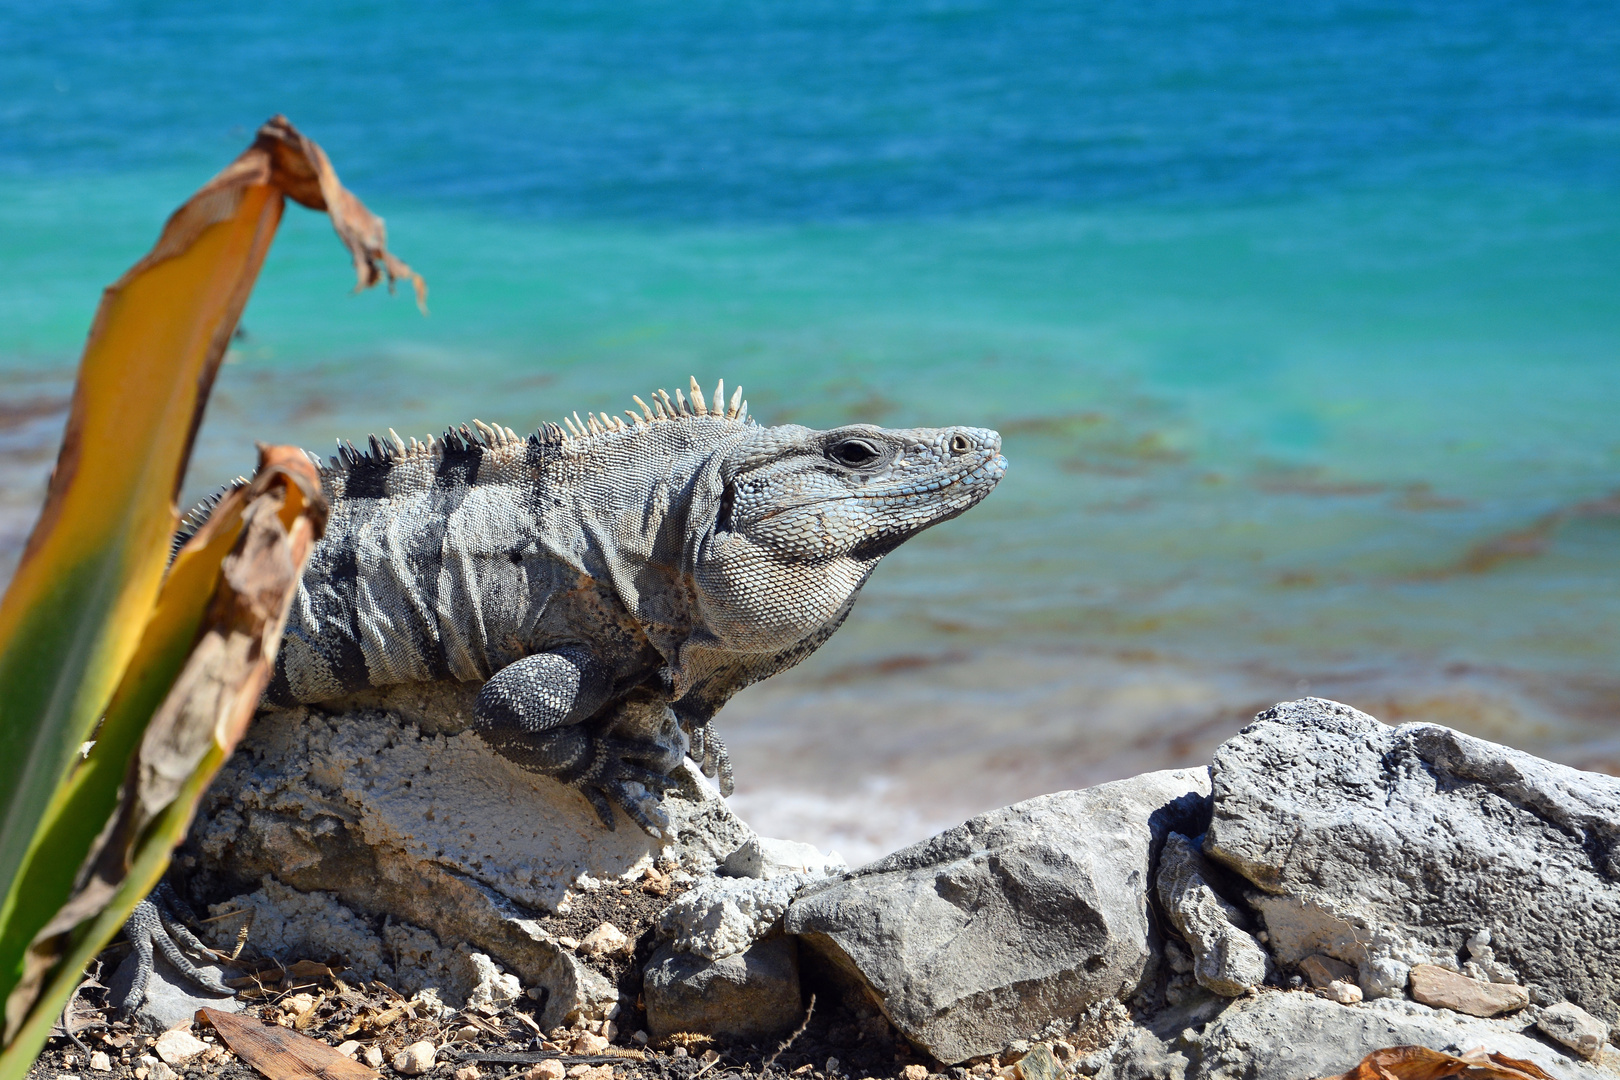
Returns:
point(372, 1023)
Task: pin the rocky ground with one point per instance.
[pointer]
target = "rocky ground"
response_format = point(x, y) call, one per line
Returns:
point(1328, 886)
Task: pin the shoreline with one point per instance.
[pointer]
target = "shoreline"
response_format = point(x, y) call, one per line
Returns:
point(865, 761)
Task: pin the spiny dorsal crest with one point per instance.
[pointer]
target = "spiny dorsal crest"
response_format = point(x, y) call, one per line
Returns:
point(664, 409)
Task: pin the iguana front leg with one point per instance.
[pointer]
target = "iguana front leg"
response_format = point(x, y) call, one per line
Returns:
point(533, 712)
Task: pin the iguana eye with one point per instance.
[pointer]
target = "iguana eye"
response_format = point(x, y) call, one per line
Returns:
point(853, 453)
point(960, 444)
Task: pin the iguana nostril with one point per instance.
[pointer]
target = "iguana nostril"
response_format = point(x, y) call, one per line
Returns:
point(960, 444)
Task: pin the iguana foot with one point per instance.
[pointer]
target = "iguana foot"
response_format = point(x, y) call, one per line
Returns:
point(155, 924)
point(711, 755)
point(618, 772)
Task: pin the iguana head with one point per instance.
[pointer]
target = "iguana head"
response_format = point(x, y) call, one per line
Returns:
point(778, 527)
point(804, 516)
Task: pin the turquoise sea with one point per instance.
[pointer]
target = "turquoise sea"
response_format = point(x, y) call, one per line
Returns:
point(1301, 324)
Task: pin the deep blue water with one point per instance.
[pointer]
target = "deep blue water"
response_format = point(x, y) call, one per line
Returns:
point(1289, 312)
point(727, 112)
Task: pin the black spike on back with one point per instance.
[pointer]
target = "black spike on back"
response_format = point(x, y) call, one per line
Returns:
point(378, 453)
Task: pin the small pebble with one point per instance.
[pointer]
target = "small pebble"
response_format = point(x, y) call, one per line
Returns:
point(100, 1062)
point(466, 1034)
point(579, 1070)
point(373, 1056)
point(550, 1069)
point(589, 1043)
point(349, 1048)
point(606, 940)
point(1345, 993)
point(467, 1072)
point(179, 1046)
point(915, 1072)
point(680, 1051)
point(415, 1059)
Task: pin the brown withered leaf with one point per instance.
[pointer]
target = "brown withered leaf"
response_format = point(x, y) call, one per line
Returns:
point(281, 1054)
point(1421, 1063)
point(281, 513)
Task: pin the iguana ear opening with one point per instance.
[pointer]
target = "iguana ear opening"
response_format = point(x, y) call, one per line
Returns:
point(728, 506)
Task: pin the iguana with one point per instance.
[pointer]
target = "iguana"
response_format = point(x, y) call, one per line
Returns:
point(610, 582)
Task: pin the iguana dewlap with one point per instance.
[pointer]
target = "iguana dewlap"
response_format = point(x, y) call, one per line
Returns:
point(614, 584)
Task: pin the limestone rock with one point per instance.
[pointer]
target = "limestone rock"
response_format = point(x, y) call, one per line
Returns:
point(745, 996)
point(170, 997)
point(178, 1046)
point(1574, 1027)
point(287, 922)
point(1448, 990)
point(415, 1059)
point(1325, 970)
point(1276, 1035)
point(765, 858)
point(1013, 921)
point(606, 939)
point(1390, 847)
point(589, 1043)
point(420, 822)
point(1038, 1064)
point(720, 917)
point(1345, 993)
point(1226, 960)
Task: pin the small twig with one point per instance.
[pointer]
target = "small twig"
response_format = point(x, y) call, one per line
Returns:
point(787, 1042)
point(66, 1022)
point(233, 913)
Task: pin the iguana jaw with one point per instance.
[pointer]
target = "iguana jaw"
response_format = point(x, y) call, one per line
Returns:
point(806, 514)
point(857, 491)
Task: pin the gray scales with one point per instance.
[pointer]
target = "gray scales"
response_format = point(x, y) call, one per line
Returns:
point(610, 583)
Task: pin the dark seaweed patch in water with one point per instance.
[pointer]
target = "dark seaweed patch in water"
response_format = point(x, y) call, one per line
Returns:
point(1528, 542)
point(890, 665)
point(1309, 480)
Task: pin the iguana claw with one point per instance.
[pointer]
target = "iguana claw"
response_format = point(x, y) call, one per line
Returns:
point(710, 753)
point(155, 924)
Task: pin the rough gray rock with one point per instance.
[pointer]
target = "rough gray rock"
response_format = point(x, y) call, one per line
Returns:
point(1226, 959)
point(747, 996)
point(1574, 1027)
point(1294, 1036)
point(765, 858)
point(436, 831)
point(1009, 923)
point(170, 997)
point(720, 917)
point(1389, 847)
